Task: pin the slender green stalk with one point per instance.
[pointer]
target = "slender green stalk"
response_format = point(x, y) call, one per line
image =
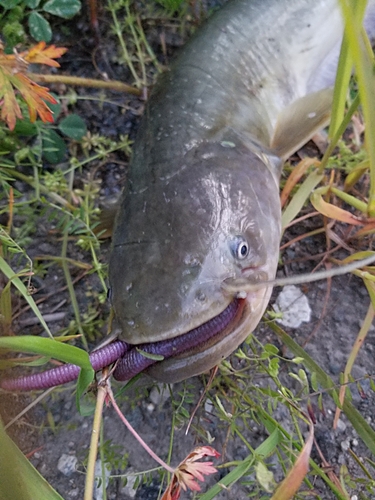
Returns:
point(118, 32)
point(70, 286)
point(363, 62)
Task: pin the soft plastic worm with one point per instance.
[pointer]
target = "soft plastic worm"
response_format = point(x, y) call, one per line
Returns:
point(131, 360)
point(135, 362)
point(65, 373)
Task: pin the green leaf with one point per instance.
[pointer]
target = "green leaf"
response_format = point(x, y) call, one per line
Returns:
point(9, 4)
point(155, 357)
point(32, 4)
point(301, 197)
point(84, 380)
point(54, 147)
point(55, 108)
point(272, 349)
point(63, 8)
point(73, 126)
point(39, 27)
point(25, 127)
point(47, 347)
point(18, 478)
point(16, 281)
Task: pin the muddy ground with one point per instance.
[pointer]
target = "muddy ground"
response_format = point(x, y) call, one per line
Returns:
point(54, 428)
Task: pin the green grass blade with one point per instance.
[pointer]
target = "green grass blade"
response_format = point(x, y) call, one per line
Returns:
point(344, 71)
point(18, 478)
point(363, 63)
point(47, 347)
point(16, 281)
point(300, 198)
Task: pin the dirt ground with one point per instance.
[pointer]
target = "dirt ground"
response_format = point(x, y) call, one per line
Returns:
point(54, 428)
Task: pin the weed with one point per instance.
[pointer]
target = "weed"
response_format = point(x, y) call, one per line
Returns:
point(34, 13)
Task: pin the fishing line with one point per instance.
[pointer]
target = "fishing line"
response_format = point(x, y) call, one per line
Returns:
point(240, 285)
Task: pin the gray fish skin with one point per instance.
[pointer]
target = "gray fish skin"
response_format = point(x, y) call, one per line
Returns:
point(252, 85)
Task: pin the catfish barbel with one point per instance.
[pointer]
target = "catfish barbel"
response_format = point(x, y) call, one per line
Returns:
point(201, 204)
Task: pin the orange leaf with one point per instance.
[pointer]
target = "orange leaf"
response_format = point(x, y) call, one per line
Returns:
point(13, 77)
point(332, 211)
point(35, 97)
point(10, 109)
point(189, 470)
point(291, 484)
point(40, 54)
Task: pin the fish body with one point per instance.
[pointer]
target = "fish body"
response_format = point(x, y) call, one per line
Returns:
point(201, 203)
point(200, 214)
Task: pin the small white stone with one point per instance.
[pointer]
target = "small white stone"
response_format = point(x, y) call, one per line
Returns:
point(67, 464)
point(208, 406)
point(345, 445)
point(341, 426)
point(128, 491)
point(99, 486)
point(294, 306)
point(159, 394)
point(150, 407)
point(354, 442)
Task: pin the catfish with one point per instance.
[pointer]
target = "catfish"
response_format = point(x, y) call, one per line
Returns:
point(201, 204)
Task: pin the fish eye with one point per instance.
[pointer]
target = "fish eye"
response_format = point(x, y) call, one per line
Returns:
point(240, 248)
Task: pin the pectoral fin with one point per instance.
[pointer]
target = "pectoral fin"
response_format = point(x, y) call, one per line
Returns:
point(297, 123)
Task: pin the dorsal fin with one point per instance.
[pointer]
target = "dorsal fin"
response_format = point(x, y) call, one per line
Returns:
point(299, 121)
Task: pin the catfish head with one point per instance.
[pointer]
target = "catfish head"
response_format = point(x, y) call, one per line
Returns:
point(178, 237)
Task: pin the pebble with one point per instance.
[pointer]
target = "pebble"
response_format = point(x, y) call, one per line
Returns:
point(294, 306)
point(341, 426)
point(345, 445)
point(209, 407)
point(67, 464)
point(128, 490)
point(159, 394)
point(100, 487)
point(150, 407)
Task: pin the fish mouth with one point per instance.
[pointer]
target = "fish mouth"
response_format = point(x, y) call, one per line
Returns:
point(185, 346)
point(200, 349)
point(205, 355)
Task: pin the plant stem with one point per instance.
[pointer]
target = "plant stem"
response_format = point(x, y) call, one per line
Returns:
point(135, 434)
point(69, 283)
point(90, 476)
point(85, 82)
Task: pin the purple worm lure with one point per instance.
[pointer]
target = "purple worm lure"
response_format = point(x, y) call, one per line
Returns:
point(130, 359)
